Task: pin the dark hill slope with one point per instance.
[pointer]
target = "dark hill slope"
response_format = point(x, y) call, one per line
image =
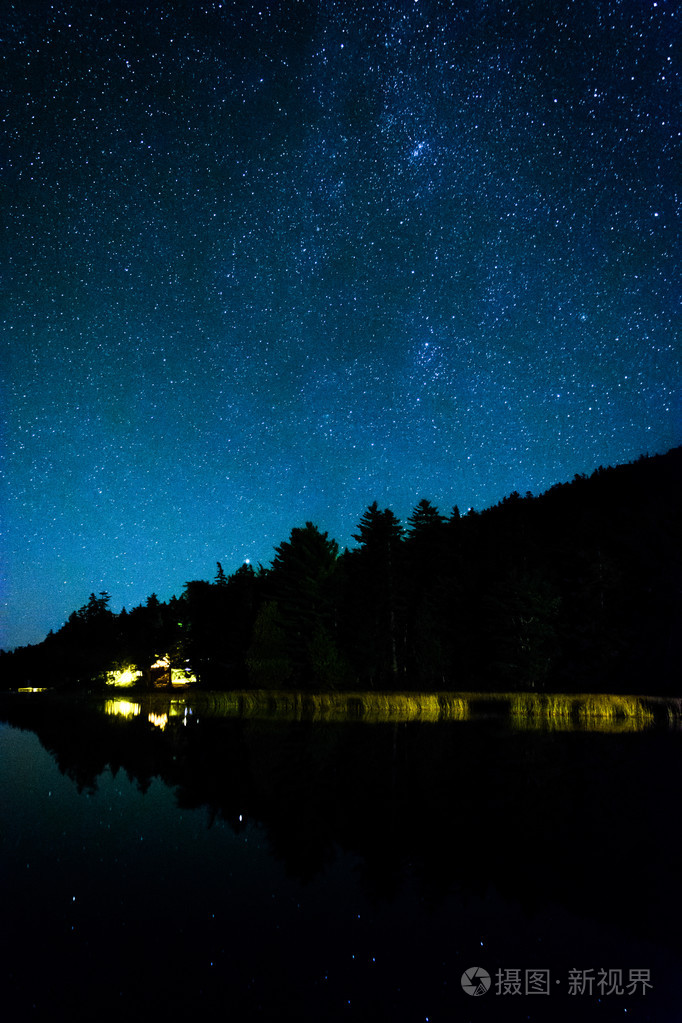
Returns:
point(578, 589)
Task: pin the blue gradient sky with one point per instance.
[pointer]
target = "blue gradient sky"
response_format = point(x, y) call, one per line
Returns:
point(269, 263)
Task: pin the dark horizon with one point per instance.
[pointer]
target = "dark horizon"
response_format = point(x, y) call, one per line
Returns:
point(576, 589)
point(174, 591)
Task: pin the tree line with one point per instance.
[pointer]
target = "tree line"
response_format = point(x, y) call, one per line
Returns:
point(575, 589)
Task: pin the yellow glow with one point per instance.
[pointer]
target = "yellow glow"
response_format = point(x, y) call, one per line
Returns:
point(161, 662)
point(177, 708)
point(126, 677)
point(122, 707)
point(159, 720)
point(180, 677)
point(370, 708)
point(522, 711)
point(31, 689)
point(585, 713)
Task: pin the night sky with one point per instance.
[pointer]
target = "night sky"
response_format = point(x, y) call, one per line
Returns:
point(266, 263)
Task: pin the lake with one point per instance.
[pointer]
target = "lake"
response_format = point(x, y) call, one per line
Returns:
point(340, 857)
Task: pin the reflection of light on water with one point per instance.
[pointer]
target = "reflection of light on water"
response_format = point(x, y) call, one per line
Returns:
point(31, 689)
point(523, 711)
point(125, 677)
point(122, 707)
point(587, 713)
point(178, 708)
point(159, 711)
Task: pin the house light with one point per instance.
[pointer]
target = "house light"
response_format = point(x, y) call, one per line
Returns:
point(125, 677)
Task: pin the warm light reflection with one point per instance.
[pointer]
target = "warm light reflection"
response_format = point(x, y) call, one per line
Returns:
point(158, 709)
point(32, 689)
point(122, 707)
point(523, 711)
point(125, 677)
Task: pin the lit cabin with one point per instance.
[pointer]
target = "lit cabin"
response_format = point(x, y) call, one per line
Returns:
point(159, 675)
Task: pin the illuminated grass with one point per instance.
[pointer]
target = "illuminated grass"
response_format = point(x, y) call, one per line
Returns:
point(262, 704)
point(524, 711)
point(582, 712)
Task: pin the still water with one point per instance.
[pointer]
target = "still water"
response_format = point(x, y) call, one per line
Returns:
point(237, 857)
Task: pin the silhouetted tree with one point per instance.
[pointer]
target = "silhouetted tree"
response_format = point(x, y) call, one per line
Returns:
point(268, 660)
point(425, 520)
point(580, 583)
point(519, 632)
point(426, 595)
point(374, 628)
point(301, 583)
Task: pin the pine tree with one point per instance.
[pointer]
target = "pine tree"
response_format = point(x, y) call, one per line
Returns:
point(425, 594)
point(267, 659)
point(424, 519)
point(377, 632)
point(300, 582)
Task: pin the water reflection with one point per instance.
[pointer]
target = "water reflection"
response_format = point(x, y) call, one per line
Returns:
point(158, 720)
point(522, 711)
point(467, 802)
point(122, 708)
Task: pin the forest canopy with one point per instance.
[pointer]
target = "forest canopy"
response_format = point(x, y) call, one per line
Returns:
point(577, 589)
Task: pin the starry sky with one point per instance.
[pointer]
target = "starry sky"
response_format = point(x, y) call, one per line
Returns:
point(268, 262)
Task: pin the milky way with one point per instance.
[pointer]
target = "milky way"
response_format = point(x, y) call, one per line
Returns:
point(266, 264)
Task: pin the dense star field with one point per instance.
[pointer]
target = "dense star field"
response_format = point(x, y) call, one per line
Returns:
point(268, 263)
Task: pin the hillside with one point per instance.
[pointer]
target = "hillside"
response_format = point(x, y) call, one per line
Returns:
point(578, 589)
